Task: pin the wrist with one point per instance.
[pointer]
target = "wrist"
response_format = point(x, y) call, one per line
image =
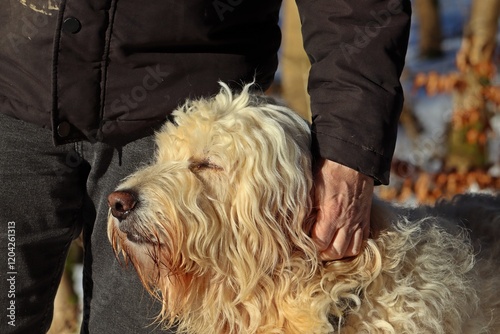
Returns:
point(342, 171)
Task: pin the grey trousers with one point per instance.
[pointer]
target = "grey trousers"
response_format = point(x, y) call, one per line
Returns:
point(48, 195)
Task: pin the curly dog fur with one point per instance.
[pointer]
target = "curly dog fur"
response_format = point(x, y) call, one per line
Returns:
point(217, 228)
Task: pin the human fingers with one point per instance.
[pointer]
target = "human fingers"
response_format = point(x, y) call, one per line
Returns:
point(323, 230)
point(360, 234)
point(347, 240)
point(338, 246)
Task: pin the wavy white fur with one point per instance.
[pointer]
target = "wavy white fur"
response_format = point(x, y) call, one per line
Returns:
point(220, 236)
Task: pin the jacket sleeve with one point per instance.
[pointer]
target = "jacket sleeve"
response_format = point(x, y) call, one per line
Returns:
point(357, 50)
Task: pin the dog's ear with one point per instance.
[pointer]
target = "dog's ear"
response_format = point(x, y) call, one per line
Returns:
point(271, 197)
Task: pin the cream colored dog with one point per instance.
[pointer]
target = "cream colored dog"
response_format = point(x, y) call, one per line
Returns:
point(217, 228)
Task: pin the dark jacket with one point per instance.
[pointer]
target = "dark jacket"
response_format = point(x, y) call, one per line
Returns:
point(112, 71)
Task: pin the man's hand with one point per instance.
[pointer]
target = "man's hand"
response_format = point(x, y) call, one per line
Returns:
point(343, 199)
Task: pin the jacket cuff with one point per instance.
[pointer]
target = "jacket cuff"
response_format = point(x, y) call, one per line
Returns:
point(351, 155)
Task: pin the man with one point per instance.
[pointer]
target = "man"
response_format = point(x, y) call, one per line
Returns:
point(83, 85)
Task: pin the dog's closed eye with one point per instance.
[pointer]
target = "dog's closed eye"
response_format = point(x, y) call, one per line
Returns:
point(199, 165)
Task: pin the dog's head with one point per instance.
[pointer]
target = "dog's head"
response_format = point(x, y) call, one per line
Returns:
point(224, 202)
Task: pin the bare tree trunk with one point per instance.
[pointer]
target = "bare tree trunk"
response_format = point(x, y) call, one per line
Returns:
point(295, 64)
point(429, 28)
point(65, 320)
point(478, 44)
point(467, 137)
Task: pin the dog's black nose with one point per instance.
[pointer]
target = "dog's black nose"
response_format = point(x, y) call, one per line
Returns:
point(122, 203)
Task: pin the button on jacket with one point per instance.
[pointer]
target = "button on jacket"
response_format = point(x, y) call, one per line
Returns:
point(112, 71)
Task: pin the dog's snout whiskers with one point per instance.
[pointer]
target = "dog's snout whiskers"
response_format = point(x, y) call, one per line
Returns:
point(122, 203)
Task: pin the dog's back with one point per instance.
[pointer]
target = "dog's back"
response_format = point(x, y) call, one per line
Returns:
point(452, 261)
point(480, 214)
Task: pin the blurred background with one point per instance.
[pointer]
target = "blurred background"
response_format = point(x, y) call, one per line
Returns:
point(449, 134)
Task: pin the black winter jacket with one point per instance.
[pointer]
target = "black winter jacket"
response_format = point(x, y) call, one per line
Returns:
point(112, 70)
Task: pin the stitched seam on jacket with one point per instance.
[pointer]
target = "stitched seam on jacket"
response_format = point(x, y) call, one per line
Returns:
point(55, 67)
point(105, 61)
point(349, 142)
